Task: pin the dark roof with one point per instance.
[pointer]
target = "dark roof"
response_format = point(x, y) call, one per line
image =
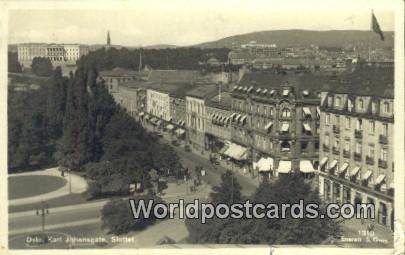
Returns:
point(176, 90)
point(173, 76)
point(203, 91)
point(119, 72)
point(273, 80)
point(364, 81)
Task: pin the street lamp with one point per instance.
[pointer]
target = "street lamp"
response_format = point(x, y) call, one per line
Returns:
point(42, 212)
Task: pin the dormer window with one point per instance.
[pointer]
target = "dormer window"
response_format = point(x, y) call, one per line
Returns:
point(386, 107)
point(264, 91)
point(373, 107)
point(305, 92)
point(272, 92)
point(250, 89)
point(338, 101)
point(286, 92)
point(258, 90)
point(330, 101)
point(360, 104)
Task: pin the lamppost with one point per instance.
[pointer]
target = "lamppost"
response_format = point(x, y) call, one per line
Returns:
point(42, 212)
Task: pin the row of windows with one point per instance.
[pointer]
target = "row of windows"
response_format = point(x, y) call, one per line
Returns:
point(360, 104)
point(335, 120)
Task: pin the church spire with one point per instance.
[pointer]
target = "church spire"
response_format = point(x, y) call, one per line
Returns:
point(108, 39)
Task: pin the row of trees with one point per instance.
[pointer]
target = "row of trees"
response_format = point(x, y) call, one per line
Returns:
point(289, 189)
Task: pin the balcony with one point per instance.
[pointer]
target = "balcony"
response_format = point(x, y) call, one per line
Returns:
point(336, 129)
point(358, 134)
point(346, 154)
point(357, 156)
point(383, 139)
point(369, 160)
point(382, 163)
point(335, 150)
point(325, 148)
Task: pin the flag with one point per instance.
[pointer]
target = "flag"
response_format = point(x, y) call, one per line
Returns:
point(375, 26)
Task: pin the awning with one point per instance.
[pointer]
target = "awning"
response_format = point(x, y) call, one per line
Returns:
point(380, 179)
point(392, 185)
point(285, 127)
point(237, 117)
point(159, 122)
point(284, 166)
point(147, 117)
point(243, 119)
point(179, 122)
point(323, 161)
point(307, 127)
point(225, 148)
point(214, 116)
point(170, 127)
point(264, 164)
point(354, 171)
point(141, 114)
point(286, 92)
point(180, 131)
point(333, 164)
point(236, 152)
point(306, 111)
point(318, 110)
point(343, 168)
point(268, 125)
point(367, 175)
point(227, 120)
point(306, 166)
point(232, 115)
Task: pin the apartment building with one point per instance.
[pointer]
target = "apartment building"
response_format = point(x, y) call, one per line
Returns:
point(275, 116)
point(357, 122)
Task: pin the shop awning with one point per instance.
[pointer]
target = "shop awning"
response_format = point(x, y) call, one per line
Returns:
point(343, 168)
point(169, 127)
point(354, 171)
point(238, 117)
point(306, 166)
point(323, 161)
point(268, 126)
point(233, 115)
point(367, 175)
point(333, 164)
point(141, 114)
point(264, 164)
point(214, 116)
point(285, 127)
point(227, 120)
point(147, 117)
point(306, 111)
point(180, 131)
point(236, 151)
point(284, 166)
point(380, 179)
point(243, 119)
point(225, 148)
point(307, 127)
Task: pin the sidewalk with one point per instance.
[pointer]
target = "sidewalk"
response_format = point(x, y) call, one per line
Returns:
point(78, 185)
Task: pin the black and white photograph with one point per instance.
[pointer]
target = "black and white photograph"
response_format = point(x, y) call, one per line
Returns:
point(186, 126)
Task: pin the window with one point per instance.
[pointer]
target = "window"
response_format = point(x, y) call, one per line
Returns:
point(359, 124)
point(385, 129)
point(286, 113)
point(386, 107)
point(330, 101)
point(337, 119)
point(316, 145)
point(336, 143)
point(373, 107)
point(360, 104)
point(358, 148)
point(304, 146)
point(371, 151)
point(326, 140)
point(271, 111)
point(347, 146)
point(348, 124)
point(372, 127)
point(338, 101)
point(327, 119)
point(383, 154)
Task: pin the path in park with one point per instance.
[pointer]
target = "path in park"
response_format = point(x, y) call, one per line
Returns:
point(78, 185)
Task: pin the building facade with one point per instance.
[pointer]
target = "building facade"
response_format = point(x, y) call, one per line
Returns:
point(112, 78)
point(158, 104)
point(275, 116)
point(357, 122)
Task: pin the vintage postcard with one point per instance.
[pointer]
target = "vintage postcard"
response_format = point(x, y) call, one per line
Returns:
point(193, 127)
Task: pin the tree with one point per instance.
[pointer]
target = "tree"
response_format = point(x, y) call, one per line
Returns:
point(288, 189)
point(117, 215)
point(13, 64)
point(41, 66)
point(229, 191)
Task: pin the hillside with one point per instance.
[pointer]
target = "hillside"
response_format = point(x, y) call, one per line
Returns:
point(288, 38)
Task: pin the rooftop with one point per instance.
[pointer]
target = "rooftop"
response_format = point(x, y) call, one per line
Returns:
point(224, 102)
point(203, 91)
point(173, 76)
point(364, 81)
point(119, 72)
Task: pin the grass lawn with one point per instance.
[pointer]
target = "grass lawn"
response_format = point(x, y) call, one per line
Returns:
point(27, 186)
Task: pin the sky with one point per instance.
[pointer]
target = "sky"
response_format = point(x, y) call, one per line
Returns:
point(184, 22)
